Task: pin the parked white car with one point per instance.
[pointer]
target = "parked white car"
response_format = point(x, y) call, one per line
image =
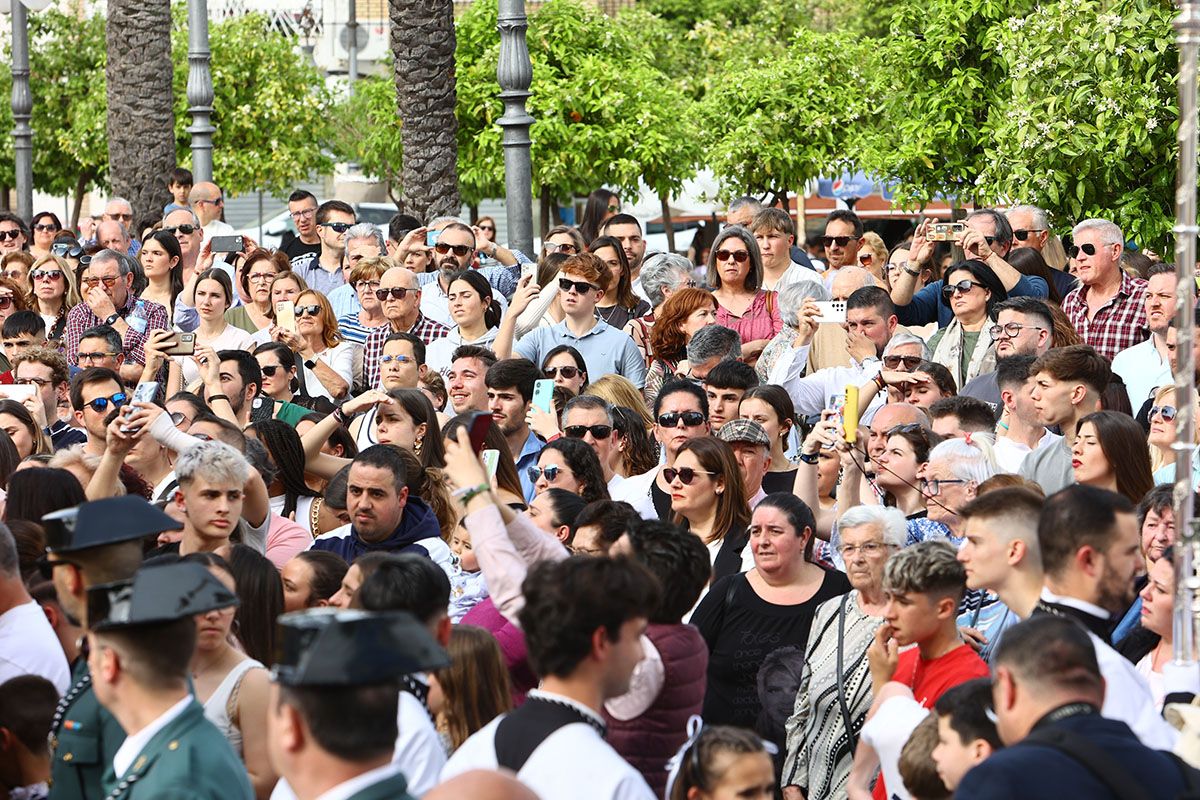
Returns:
point(273, 228)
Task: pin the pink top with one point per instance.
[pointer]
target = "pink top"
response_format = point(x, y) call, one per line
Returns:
point(761, 320)
point(285, 539)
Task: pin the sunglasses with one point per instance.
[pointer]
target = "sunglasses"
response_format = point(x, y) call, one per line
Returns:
point(108, 282)
point(396, 293)
point(12, 235)
point(338, 227)
point(579, 431)
point(460, 250)
point(550, 471)
point(738, 256)
point(866, 258)
point(1023, 233)
point(685, 474)
point(399, 359)
point(570, 373)
point(907, 363)
point(101, 403)
point(270, 369)
point(613, 209)
point(45, 274)
point(487, 228)
point(186, 229)
point(178, 418)
point(46, 566)
point(1088, 249)
point(308, 311)
point(62, 248)
point(672, 419)
point(1166, 412)
point(6, 301)
point(962, 287)
point(45, 227)
point(580, 287)
point(551, 247)
point(840, 241)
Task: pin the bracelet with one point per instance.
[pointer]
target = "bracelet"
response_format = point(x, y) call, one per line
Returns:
point(224, 397)
point(879, 381)
point(810, 458)
point(469, 493)
point(340, 415)
point(554, 438)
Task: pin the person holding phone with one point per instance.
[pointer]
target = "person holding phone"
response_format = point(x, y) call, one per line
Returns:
point(211, 298)
point(326, 357)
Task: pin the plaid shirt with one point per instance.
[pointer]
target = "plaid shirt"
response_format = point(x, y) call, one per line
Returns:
point(1118, 324)
point(424, 329)
point(80, 318)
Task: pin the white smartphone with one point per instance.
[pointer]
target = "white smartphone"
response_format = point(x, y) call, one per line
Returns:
point(18, 392)
point(543, 395)
point(144, 392)
point(491, 460)
point(832, 311)
point(528, 269)
point(285, 315)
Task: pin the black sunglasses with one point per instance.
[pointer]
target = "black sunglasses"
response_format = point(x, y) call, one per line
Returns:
point(308, 311)
point(685, 474)
point(187, 229)
point(907, 363)
point(579, 431)
point(840, 241)
point(1089, 249)
point(46, 566)
point(570, 373)
point(11, 234)
point(460, 250)
point(339, 227)
point(962, 287)
point(1023, 233)
point(100, 404)
point(396, 293)
point(580, 287)
point(672, 419)
point(270, 369)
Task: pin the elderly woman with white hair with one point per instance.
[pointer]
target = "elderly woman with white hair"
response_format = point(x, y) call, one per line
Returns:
point(950, 480)
point(835, 683)
point(662, 275)
point(791, 299)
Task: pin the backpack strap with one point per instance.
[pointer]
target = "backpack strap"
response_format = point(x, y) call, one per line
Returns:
point(1119, 781)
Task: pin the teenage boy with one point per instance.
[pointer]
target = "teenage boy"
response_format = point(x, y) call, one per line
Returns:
point(21, 331)
point(725, 384)
point(510, 393)
point(582, 282)
point(212, 479)
point(966, 734)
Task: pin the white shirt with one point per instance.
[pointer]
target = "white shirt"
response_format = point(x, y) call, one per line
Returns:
point(796, 273)
point(1143, 369)
point(813, 393)
point(573, 762)
point(635, 490)
point(232, 338)
point(216, 228)
point(887, 732)
point(129, 749)
point(435, 303)
point(419, 752)
point(1010, 453)
point(29, 646)
point(616, 481)
point(644, 686)
point(438, 354)
point(360, 782)
point(340, 359)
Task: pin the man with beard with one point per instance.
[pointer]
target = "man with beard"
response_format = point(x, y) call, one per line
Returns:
point(1091, 554)
point(510, 393)
point(454, 252)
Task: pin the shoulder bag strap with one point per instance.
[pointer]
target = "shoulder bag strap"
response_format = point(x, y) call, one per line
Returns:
point(851, 737)
point(1098, 762)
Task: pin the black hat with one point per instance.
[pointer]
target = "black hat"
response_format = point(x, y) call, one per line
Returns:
point(157, 594)
point(329, 647)
point(101, 522)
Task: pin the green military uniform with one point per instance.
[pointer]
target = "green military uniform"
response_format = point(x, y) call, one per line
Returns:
point(84, 736)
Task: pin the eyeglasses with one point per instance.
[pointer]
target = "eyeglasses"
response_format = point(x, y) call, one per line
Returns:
point(613, 209)
point(303, 213)
point(934, 487)
point(396, 293)
point(338, 227)
point(46, 227)
point(216, 202)
point(685, 474)
point(579, 431)
point(1088, 249)
point(187, 229)
point(372, 285)
point(738, 256)
point(38, 382)
point(129, 217)
point(95, 356)
point(867, 549)
point(101, 403)
point(12, 235)
point(14, 274)
point(1010, 329)
point(550, 471)
point(580, 287)
point(260, 277)
point(109, 281)
point(840, 241)
point(672, 419)
point(570, 373)
point(46, 275)
point(460, 250)
point(907, 363)
point(1166, 412)
point(399, 359)
point(551, 247)
point(308, 311)
point(962, 287)
point(1023, 233)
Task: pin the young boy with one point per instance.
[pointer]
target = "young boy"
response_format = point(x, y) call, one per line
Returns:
point(918, 772)
point(966, 735)
point(179, 184)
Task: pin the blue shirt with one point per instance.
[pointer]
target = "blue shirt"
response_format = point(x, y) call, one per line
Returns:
point(604, 349)
point(528, 457)
point(926, 305)
point(344, 300)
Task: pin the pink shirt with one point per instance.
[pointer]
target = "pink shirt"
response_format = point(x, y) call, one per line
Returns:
point(285, 539)
point(759, 321)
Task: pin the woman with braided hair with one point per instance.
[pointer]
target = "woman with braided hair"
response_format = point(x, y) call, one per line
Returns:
point(290, 496)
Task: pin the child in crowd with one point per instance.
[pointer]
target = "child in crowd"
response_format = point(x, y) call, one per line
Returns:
point(179, 184)
point(918, 772)
point(966, 734)
point(467, 586)
point(722, 761)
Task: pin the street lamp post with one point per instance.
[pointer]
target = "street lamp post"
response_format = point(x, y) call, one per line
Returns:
point(22, 108)
point(200, 90)
point(514, 72)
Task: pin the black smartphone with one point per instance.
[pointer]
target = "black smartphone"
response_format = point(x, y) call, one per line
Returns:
point(227, 244)
point(481, 423)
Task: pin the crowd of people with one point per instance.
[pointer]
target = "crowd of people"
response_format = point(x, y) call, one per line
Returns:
point(406, 513)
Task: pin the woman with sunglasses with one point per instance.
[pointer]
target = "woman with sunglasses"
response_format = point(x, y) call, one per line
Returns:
point(1163, 411)
point(211, 298)
point(572, 465)
point(687, 311)
point(565, 366)
point(162, 261)
point(601, 205)
point(485, 235)
point(710, 504)
point(735, 272)
point(364, 277)
point(965, 346)
point(619, 305)
point(328, 361)
point(872, 254)
point(1108, 453)
point(45, 227)
point(53, 296)
point(476, 316)
point(16, 267)
point(747, 615)
point(281, 384)
point(255, 275)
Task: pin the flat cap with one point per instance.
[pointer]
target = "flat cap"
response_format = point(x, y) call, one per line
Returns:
point(101, 522)
point(332, 647)
point(156, 594)
point(744, 430)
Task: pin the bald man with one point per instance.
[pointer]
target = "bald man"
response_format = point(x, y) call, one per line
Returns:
point(889, 416)
point(208, 201)
point(829, 342)
point(403, 315)
point(482, 784)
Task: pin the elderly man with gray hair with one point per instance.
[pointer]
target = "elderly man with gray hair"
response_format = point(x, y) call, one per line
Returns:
point(363, 240)
point(109, 299)
point(1108, 309)
point(711, 345)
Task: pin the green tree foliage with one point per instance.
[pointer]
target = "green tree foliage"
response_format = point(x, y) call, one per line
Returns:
point(369, 131)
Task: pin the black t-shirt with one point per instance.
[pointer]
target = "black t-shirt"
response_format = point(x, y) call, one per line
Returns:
point(779, 482)
point(294, 247)
point(746, 635)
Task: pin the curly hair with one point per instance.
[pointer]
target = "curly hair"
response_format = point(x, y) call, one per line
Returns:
point(667, 339)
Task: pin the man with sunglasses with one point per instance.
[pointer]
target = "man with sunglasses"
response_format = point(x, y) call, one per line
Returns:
point(843, 237)
point(184, 223)
point(590, 419)
point(400, 298)
point(323, 271)
point(1031, 228)
point(97, 396)
point(510, 394)
point(680, 414)
point(455, 252)
point(1108, 309)
point(1022, 326)
point(92, 544)
point(208, 201)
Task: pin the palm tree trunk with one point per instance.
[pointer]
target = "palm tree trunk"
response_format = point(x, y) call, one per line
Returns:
point(141, 109)
point(423, 46)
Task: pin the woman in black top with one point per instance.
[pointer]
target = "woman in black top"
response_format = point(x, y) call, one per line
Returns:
point(745, 618)
point(771, 406)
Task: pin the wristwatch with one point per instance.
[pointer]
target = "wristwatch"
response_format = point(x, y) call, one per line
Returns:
point(311, 363)
point(111, 319)
point(810, 458)
point(916, 273)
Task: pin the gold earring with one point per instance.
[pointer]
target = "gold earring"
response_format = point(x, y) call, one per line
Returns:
point(417, 447)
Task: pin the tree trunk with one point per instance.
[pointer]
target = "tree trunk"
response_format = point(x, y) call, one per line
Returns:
point(667, 224)
point(423, 46)
point(81, 184)
point(141, 108)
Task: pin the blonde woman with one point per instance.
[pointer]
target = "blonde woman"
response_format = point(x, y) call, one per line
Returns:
point(53, 295)
point(620, 391)
point(1162, 435)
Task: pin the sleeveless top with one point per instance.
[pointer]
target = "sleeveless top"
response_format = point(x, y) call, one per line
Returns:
point(219, 708)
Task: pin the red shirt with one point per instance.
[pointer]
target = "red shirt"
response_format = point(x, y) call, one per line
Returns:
point(930, 679)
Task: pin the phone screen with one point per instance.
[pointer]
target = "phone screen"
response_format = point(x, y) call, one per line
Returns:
point(431, 237)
